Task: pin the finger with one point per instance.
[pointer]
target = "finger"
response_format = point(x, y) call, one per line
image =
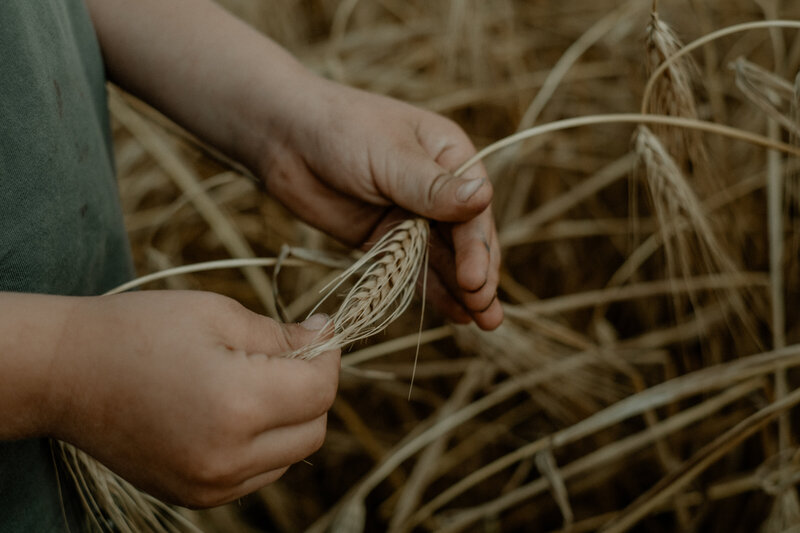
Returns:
point(491, 317)
point(288, 391)
point(477, 258)
point(478, 269)
point(480, 304)
point(298, 391)
point(263, 335)
point(473, 243)
point(451, 149)
point(221, 496)
point(268, 456)
point(442, 261)
point(285, 446)
point(253, 484)
point(416, 182)
point(442, 300)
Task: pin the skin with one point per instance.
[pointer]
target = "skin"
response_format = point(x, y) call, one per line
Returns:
point(345, 161)
point(185, 393)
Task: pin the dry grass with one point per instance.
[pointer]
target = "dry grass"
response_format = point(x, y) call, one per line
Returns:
point(645, 378)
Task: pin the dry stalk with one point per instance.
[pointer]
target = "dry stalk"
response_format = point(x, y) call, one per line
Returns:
point(648, 289)
point(113, 504)
point(546, 463)
point(413, 38)
point(702, 381)
point(769, 92)
point(785, 512)
point(424, 471)
point(698, 463)
point(517, 351)
point(632, 118)
point(185, 177)
point(394, 345)
point(785, 506)
point(526, 226)
point(597, 31)
point(597, 459)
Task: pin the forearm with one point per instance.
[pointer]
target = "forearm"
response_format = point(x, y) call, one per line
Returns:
point(201, 66)
point(31, 327)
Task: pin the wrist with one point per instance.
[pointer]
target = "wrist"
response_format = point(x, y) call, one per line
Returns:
point(274, 111)
point(72, 402)
point(30, 348)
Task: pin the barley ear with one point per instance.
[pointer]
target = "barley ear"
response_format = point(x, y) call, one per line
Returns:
point(690, 242)
point(382, 293)
point(673, 95)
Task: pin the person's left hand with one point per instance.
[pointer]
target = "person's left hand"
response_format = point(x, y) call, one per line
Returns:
point(348, 162)
point(352, 163)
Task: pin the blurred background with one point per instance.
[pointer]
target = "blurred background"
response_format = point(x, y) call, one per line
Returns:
point(644, 378)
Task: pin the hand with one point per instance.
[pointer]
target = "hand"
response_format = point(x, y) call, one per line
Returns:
point(347, 162)
point(182, 394)
point(352, 163)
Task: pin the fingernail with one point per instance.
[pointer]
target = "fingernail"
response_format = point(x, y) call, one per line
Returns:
point(315, 322)
point(468, 188)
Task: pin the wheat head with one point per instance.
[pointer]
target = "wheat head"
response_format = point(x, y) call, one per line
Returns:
point(673, 95)
point(382, 293)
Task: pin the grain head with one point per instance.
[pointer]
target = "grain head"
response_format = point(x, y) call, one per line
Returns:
point(674, 95)
point(384, 290)
point(691, 245)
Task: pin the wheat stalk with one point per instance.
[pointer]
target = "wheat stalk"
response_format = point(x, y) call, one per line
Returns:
point(113, 504)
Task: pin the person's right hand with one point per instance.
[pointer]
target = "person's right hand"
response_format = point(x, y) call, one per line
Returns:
point(185, 395)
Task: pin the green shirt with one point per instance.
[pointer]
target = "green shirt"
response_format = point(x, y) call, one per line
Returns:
point(61, 227)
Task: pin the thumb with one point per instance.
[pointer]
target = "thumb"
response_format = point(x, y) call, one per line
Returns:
point(312, 331)
point(271, 338)
point(422, 186)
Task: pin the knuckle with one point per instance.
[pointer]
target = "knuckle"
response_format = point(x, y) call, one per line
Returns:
point(208, 299)
point(323, 396)
point(225, 307)
point(208, 469)
point(317, 437)
point(455, 129)
point(480, 301)
point(436, 185)
point(275, 475)
point(286, 341)
point(217, 309)
point(236, 413)
point(213, 471)
point(199, 498)
point(275, 177)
